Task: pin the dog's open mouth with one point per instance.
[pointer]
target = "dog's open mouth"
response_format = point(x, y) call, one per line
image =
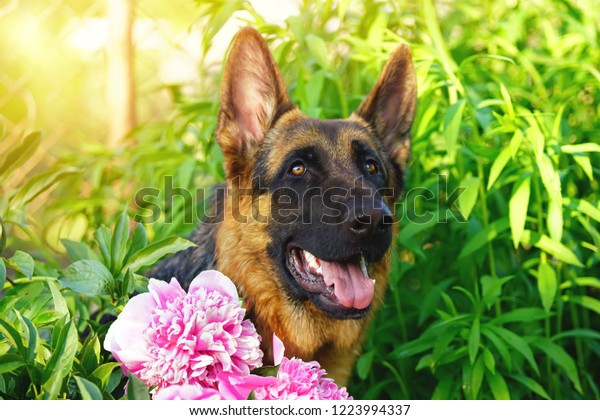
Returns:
point(337, 285)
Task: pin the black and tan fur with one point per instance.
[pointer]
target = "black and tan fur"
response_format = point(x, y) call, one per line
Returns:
point(259, 132)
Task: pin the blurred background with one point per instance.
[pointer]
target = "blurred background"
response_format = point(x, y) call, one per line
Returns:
point(494, 292)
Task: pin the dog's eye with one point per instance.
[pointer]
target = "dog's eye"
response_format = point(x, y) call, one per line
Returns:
point(297, 168)
point(371, 167)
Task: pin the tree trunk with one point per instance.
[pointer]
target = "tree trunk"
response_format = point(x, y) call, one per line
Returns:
point(120, 95)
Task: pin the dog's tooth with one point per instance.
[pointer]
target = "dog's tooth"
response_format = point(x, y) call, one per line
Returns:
point(312, 261)
point(373, 281)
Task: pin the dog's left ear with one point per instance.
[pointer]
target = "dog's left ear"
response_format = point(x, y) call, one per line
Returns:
point(391, 105)
point(253, 96)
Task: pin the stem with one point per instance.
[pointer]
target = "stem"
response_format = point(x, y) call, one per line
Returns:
point(538, 196)
point(486, 221)
point(576, 323)
point(397, 377)
point(401, 320)
point(34, 279)
point(39, 245)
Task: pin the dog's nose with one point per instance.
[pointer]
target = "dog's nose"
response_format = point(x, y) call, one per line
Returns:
point(371, 221)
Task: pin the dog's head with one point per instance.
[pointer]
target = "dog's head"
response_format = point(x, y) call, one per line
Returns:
point(323, 189)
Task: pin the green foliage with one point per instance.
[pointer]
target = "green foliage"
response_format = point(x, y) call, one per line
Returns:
point(51, 322)
point(494, 289)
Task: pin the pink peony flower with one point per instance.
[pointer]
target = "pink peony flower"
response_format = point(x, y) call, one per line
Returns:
point(186, 392)
point(233, 387)
point(170, 337)
point(298, 380)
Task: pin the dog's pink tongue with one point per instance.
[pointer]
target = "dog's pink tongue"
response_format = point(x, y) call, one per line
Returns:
point(350, 285)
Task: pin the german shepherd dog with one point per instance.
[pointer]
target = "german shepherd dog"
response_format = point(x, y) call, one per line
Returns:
point(303, 226)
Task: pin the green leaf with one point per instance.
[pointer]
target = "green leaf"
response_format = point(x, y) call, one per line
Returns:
point(377, 29)
point(136, 389)
point(510, 110)
point(60, 304)
point(411, 348)
point(517, 208)
point(578, 333)
point(89, 277)
point(127, 284)
point(102, 238)
point(314, 89)
point(266, 370)
point(484, 236)
point(13, 336)
point(554, 221)
point(581, 281)
point(443, 390)
point(581, 148)
point(61, 361)
point(364, 363)
point(498, 165)
point(547, 285)
point(139, 240)
point(550, 246)
point(531, 384)
point(88, 390)
point(561, 358)
point(118, 246)
point(585, 164)
point(103, 372)
point(489, 360)
point(591, 230)
point(587, 302)
point(19, 154)
point(2, 232)
point(452, 122)
point(500, 346)
point(520, 315)
point(32, 337)
point(474, 338)
point(498, 386)
point(10, 362)
point(516, 342)
point(515, 143)
point(491, 288)
point(22, 262)
point(318, 49)
point(550, 177)
point(79, 251)
point(477, 374)
point(583, 206)
point(442, 343)
point(154, 252)
point(468, 198)
point(37, 184)
point(89, 356)
point(2, 274)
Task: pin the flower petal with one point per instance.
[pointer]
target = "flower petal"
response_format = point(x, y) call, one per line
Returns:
point(186, 392)
point(164, 292)
point(214, 280)
point(278, 350)
point(233, 387)
point(125, 336)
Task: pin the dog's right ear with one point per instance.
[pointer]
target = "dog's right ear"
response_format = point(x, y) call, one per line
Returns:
point(253, 96)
